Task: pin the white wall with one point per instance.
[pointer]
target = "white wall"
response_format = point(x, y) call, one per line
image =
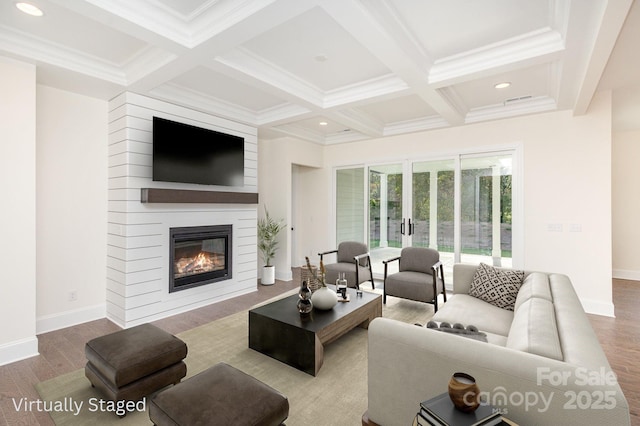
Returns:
point(18, 211)
point(626, 203)
point(72, 208)
point(567, 181)
point(276, 161)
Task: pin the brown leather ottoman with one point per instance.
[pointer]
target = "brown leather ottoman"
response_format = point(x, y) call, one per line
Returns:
point(133, 363)
point(220, 395)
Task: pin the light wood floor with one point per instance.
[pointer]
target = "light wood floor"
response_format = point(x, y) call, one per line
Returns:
point(62, 351)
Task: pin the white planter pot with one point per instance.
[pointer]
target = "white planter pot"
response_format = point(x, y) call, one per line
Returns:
point(324, 298)
point(268, 275)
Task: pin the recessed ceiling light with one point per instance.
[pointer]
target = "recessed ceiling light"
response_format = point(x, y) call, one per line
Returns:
point(29, 9)
point(502, 85)
point(323, 123)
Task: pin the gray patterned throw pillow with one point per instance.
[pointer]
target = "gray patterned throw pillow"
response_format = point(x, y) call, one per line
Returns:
point(498, 287)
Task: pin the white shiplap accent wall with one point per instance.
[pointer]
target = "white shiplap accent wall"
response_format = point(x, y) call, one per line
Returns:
point(138, 234)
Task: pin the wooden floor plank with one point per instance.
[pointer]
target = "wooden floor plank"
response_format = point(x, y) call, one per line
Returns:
point(620, 340)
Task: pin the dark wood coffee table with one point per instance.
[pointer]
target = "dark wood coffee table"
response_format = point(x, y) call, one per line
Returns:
point(279, 331)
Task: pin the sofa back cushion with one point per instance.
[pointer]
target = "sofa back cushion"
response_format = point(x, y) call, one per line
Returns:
point(580, 344)
point(418, 259)
point(534, 329)
point(536, 284)
point(347, 250)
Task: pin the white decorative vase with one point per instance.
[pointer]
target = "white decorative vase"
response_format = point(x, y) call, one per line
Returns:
point(324, 298)
point(268, 275)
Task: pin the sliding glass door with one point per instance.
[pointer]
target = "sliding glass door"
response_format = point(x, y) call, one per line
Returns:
point(460, 206)
point(486, 209)
point(433, 207)
point(386, 213)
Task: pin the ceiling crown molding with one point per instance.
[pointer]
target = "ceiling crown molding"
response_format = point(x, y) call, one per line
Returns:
point(146, 14)
point(365, 90)
point(145, 62)
point(198, 11)
point(36, 48)
point(359, 121)
point(344, 137)
point(209, 19)
point(529, 106)
point(300, 133)
point(417, 125)
point(533, 47)
point(183, 96)
point(280, 113)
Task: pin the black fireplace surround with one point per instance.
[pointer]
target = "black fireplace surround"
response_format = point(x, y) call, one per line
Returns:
point(199, 255)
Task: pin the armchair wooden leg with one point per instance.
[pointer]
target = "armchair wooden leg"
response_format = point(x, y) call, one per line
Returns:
point(444, 287)
point(436, 292)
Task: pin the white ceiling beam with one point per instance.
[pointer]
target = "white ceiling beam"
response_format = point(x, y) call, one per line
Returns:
point(268, 77)
point(613, 19)
point(245, 62)
point(381, 39)
point(216, 31)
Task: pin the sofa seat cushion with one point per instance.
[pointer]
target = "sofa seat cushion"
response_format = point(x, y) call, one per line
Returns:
point(496, 339)
point(411, 285)
point(468, 310)
point(534, 329)
point(496, 286)
point(349, 271)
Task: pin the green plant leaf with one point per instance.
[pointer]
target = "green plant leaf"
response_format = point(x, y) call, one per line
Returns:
point(268, 230)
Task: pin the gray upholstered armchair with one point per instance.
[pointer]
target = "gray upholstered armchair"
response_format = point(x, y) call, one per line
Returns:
point(420, 276)
point(353, 260)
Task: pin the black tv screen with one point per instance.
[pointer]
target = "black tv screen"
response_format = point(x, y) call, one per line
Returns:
point(190, 154)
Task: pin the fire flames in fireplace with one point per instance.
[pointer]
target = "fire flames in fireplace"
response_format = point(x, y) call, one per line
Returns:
point(201, 263)
point(199, 255)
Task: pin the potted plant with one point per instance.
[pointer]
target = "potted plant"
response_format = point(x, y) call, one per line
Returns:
point(268, 230)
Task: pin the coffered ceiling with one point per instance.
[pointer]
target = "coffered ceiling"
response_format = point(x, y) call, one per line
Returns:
point(363, 68)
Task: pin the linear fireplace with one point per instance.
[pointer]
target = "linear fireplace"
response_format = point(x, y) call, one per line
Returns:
point(199, 255)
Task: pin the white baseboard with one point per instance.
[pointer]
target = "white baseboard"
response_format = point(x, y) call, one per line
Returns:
point(622, 274)
point(47, 323)
point(597, 307)
point(284, 276)
point(18, 350)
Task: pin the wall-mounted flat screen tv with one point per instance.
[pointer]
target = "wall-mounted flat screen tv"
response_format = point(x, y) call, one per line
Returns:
point(189, 154)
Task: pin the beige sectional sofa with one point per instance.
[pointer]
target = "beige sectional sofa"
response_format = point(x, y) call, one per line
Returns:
point(542, 363)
